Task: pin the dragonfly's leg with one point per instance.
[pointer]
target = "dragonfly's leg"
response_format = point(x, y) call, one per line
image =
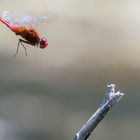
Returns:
point(17, 48)
point(21, 41)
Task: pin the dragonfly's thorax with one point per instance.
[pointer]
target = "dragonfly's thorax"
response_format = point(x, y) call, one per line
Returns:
point(29, 34)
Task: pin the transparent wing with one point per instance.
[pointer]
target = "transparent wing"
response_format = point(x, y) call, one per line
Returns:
point(28, 19)
point(44, 19)
point(8, 16)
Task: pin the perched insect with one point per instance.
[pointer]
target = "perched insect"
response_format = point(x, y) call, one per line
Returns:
point(25, 26)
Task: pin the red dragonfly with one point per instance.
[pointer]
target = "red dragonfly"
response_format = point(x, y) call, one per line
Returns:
point(25, 26)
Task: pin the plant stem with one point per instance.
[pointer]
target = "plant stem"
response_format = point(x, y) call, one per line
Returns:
point(111, 99)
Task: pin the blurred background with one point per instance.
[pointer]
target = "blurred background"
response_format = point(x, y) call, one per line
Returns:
point(49, 94)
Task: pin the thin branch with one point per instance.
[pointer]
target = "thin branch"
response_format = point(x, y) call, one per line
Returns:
point(111, 99)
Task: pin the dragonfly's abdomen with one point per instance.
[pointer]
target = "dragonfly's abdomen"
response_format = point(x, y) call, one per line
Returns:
point(29, 34)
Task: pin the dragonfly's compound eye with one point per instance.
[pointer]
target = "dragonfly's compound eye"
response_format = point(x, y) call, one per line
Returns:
point(43, 43)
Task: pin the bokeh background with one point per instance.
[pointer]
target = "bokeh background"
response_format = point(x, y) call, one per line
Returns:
point(49, 94)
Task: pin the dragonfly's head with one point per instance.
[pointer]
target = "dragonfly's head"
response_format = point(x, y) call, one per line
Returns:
point(43, 43)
